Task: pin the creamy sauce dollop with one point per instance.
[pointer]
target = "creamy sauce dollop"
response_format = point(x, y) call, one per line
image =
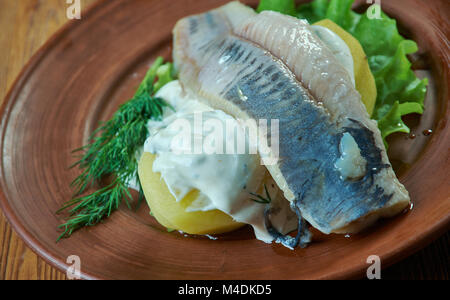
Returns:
point(225, 181)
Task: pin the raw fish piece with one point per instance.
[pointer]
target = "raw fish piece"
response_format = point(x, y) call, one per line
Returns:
point(333, 165)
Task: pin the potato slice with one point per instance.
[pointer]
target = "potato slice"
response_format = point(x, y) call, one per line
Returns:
point(173, 214)
point(365, 83)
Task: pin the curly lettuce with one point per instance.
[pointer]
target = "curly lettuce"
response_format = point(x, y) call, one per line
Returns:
point(399, 90)
point(281, 6)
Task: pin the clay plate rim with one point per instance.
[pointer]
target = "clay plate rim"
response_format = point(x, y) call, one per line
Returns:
point(390, 257)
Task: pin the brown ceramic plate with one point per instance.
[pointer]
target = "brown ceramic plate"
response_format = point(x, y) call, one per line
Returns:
point(91, 66)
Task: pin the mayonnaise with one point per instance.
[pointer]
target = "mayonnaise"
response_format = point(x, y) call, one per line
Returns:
point(225, 181)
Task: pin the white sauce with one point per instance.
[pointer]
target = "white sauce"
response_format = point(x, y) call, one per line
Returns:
point(351, 164)
point(224, 180)
point(338, 47)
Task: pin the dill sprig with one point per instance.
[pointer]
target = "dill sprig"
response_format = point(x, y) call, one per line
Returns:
point(112, 151)
point(261, 199)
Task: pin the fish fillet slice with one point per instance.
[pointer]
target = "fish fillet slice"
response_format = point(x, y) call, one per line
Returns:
point(270, 66)
point(293, 41)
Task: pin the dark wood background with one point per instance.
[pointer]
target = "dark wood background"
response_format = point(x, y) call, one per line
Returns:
point(25, 25)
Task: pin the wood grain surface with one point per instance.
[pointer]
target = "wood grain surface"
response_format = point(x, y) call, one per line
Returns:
point(25, 26)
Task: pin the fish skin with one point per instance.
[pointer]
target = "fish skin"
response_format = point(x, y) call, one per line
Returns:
point(221, 66)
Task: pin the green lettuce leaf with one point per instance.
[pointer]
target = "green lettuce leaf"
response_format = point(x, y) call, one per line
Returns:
point(339, 12)
point(399, 90)
point(392, 120)
point(165, 75)
point(286, 7)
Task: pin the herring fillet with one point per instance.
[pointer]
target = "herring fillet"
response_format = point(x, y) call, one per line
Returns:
point(271, 66)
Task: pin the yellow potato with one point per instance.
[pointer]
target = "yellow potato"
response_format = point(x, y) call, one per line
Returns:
point(173, 214)
point(365, 83)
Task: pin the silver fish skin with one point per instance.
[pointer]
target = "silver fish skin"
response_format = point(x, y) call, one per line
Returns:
point(228, 57)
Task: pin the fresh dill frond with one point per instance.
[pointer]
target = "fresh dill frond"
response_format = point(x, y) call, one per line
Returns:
point(112, 151)
point(261, 199)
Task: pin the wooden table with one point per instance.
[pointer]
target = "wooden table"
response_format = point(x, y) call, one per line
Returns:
point(25, 26)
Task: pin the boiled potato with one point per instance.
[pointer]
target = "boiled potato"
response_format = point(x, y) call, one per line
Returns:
point(365, 83)
point(173, 214)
